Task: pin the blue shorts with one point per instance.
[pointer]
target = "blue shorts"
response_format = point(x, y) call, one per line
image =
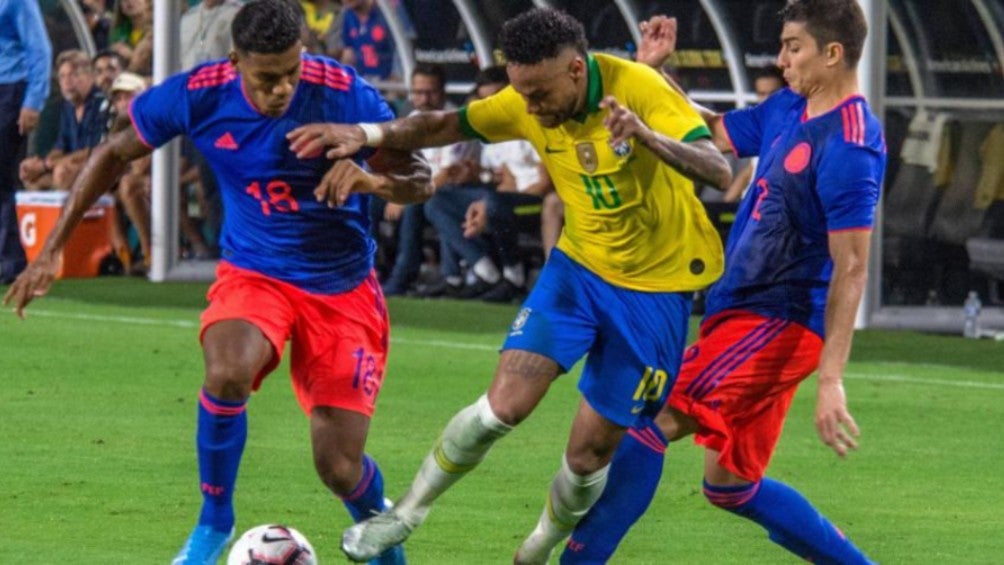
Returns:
point(634, 339)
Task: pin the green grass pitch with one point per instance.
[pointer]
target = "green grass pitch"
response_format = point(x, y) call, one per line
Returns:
point(97, 416)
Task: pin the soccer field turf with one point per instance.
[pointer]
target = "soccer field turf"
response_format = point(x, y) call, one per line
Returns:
point(97, 416)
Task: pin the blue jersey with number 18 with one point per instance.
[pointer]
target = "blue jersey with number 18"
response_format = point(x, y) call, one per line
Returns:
point(272, 224)
point(816, 176)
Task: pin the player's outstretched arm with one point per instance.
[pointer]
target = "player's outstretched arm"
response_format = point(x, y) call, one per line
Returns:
point(658, 43)
point(401, 177)
point(849, 250)
point(102, 169)
point(697, 160)
point(427, 129)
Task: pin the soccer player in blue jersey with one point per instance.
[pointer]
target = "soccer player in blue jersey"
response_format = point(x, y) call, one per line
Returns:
point(795, 269)
point(297, 258)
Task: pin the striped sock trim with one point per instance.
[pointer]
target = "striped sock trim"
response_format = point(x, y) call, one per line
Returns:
point(730, 497)
point(218, 407)
point(369, 471)
point(449, 466)
point(650, 438)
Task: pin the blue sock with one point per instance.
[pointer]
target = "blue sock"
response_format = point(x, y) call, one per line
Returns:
point(634, 475)
point(367, 498)
point(790, 520)
point(222, 431)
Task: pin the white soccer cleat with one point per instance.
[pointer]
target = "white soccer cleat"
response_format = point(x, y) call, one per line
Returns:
point(370, 538)
point(538, 546)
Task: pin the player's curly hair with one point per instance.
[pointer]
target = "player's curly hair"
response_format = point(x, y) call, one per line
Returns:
point(831, 21)
point(266, 26)
point(539, 34)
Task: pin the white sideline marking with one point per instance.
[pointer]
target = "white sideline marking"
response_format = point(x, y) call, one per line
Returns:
point(904, 379)
point(855, 375)
point(117, 319)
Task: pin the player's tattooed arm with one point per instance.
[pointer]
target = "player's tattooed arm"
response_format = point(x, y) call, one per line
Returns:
point(401, 177)
point(427, 129)
point(697, 160)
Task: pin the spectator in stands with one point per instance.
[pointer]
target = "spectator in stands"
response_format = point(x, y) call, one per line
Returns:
point(324, 20)
point(24, 86)
point(134, 187)
point(99, 21)
point(428, 93)
point(366, 41)
point(107, 65)
point(767, 82)
point(205, 31)
point(205, 36)
point(81, 126)
point(132, 34)
point(519, 179)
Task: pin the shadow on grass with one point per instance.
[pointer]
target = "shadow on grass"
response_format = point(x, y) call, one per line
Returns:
point(468, 316)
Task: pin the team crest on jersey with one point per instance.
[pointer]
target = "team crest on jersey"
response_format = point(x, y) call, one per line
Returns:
point(586, 153)
point(520, 321)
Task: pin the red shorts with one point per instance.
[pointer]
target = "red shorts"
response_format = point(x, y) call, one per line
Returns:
point(738, 380)
point(339, 341)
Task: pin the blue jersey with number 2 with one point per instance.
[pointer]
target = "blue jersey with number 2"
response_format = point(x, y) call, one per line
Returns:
point(272, 222)
point(815, 177)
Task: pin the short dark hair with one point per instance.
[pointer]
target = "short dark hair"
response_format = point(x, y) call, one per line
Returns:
point(491, 75)
point(770, 72)
point(109, 54)
point(265, 26)
point(829, 21)
point(541, 33)
point(433, 70)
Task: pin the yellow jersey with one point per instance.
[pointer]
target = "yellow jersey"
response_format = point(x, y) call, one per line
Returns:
point(629, 217)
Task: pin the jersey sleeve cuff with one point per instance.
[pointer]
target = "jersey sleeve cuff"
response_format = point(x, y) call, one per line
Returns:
point(467, 129)
point(699, 132)
point(135, 126)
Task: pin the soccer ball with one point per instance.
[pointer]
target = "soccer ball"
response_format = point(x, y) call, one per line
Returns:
point(272, 544)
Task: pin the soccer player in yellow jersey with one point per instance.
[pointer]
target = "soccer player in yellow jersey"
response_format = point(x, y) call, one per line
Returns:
point(617, 289)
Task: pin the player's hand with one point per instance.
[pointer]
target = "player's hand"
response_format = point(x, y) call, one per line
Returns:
point(33, 282)
point(622, 123)
point(476, 219)
point(341, 140)
point(27, 120)
point(658, 41)
point(834, 423)
point(344, 178)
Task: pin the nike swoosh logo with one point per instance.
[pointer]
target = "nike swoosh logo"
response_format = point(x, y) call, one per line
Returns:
point(549, 150)
point(266, 538)
point(637, 409)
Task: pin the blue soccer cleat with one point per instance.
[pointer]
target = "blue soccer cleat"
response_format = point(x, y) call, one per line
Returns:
point(393, 556)
point(203, 547)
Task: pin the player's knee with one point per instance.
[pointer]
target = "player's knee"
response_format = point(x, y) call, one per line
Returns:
point(229, 380)
point(338, 472)
point(586, 461)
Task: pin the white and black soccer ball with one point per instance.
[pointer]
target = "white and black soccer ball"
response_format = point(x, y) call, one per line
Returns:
point(272, 544)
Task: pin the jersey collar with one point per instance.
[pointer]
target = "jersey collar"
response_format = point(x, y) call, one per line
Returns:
point(594, 89)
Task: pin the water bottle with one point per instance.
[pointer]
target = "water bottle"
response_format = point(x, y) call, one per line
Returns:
point(972, 307)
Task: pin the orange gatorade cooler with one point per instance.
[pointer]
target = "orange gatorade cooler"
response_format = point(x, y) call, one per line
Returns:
point(37, 213)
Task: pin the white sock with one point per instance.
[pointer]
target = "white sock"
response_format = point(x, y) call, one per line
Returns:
point(515, 274)
point(463, 444)
point(569, 500)
point(486, 270)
